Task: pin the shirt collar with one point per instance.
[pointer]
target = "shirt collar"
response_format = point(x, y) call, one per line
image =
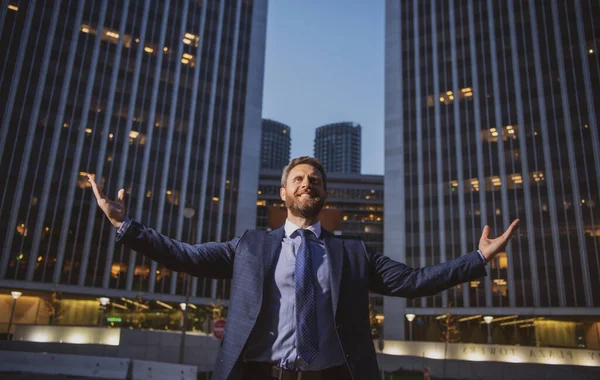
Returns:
point(290, 228)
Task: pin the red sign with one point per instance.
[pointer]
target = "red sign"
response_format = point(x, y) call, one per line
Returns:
point(218, 328)
point(426, 373)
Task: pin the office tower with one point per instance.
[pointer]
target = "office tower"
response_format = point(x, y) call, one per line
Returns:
point(491, 115)
point(161, 98)
point(337, 146)
point(275, 145)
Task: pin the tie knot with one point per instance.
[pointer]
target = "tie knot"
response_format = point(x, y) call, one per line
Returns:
point(305, 233)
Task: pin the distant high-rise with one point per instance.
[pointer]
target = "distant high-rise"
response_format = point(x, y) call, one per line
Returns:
point(275, 145)
point(337, 146)
point(491, 114)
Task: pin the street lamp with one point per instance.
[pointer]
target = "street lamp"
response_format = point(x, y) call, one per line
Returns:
point(103, 302)
point(488, 320)
point(410, 318)
point(184, 310)
point(15, 295)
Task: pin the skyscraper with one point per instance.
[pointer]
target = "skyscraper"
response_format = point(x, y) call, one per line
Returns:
point(490, 116)
point(275, 145)
point(337, 146)
point(161, 98)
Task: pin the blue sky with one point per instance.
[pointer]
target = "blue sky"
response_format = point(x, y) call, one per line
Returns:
point(325, 63)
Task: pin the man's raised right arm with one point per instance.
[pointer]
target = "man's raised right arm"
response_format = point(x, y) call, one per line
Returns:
point(212, 260)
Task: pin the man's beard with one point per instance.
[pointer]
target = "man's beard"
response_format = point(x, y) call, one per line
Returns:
point(306, 209)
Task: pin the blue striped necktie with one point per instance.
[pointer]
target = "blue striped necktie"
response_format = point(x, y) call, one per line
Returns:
point(306, 309)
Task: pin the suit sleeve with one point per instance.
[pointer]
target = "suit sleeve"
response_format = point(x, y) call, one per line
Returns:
point(211, 260)
point(391, 278)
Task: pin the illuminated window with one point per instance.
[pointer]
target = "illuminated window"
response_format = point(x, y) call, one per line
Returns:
point(83, 183)
point(500, 261)
point(109, 35)
point(191, 39)
point(537, 176)
point(117, 268)
point(22, 229)
point(491, 135)
point(188, 59)
point(87, 29)
point(173, 197)
point(136, 137)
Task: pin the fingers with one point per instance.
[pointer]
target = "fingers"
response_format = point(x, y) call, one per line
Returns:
point(121, 195)
point(486, 232)
point(511, 229)
point(95, 189)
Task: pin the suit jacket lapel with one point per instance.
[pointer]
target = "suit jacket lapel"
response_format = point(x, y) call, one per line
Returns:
point(335, 256)
point(271, 249)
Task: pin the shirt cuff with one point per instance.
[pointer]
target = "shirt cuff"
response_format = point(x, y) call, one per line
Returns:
point(483, 260)
point(124, 226)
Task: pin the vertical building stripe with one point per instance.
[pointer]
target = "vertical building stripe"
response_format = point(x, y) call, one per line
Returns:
point(438, 144)
point(139, 208)
point(125, 144)
point(70, 198)
point(571, 156)
point(499, 126)
point(547, 157)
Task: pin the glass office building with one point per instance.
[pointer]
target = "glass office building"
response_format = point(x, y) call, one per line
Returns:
point(276, 142)
point(161, 98)
point(491, 114)
point(338, 147)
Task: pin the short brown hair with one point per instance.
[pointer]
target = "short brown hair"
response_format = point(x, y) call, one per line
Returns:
point(303, 160)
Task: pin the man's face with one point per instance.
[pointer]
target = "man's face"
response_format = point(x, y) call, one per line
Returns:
point(304, 193)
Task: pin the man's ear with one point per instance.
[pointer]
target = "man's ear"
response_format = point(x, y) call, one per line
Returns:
point(282, 193)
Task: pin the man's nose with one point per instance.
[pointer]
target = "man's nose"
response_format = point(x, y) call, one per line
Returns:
point(305, 182)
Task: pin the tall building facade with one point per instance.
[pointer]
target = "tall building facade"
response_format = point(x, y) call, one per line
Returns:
point(491, 114)
point(160, 98)
point(276, 142)
point(338, 147)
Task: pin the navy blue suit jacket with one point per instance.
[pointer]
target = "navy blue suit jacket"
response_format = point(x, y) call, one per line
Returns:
point(354, 271)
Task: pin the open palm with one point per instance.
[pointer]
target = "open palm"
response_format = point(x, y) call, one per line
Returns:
point(114, 210)
point(490, 247)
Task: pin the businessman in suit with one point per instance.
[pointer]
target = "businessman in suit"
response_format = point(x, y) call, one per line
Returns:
point(299, 299)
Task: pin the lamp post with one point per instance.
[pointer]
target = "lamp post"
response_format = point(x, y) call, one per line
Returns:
point(410, 318)
point(15, 295)
point(184, 309)
point(103, 302)
point(488, 320)
point(189, 212)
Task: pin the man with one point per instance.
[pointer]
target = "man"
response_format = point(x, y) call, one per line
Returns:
point(299, 295)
